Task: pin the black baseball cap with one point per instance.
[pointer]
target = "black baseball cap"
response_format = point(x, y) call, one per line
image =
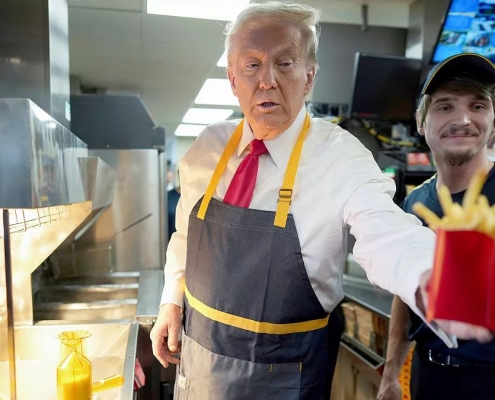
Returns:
point(459, 65)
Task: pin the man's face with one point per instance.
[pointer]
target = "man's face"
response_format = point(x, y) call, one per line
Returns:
point(457, 127)
point(270, 76)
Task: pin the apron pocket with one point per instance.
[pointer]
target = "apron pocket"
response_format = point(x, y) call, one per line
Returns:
point(208, 376)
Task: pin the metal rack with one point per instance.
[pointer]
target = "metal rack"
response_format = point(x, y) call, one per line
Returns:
point(22, 220)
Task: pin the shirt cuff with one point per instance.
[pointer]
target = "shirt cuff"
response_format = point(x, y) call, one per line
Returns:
point(173, 292)
point(414, 275)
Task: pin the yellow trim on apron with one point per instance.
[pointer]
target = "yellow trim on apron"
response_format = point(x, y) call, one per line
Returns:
point(285, 193)
point(252, 325)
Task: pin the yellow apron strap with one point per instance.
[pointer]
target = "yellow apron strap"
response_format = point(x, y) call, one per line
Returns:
point(285, 193)
point(405, 375)
point(219, 170)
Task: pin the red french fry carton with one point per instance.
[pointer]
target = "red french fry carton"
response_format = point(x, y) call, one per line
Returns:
point(462, 285)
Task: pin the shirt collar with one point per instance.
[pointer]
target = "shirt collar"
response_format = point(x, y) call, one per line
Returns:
point(281, 146)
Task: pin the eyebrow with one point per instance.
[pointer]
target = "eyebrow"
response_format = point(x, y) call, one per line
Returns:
point(477, 97)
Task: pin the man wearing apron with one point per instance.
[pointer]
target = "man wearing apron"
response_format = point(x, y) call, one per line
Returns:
point(254, 270)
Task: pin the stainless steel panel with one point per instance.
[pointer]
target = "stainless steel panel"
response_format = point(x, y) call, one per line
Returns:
point(23, 51)
point(86, 293)
point(6, 323)
point(3, 299)
point(103, 279)
point(99, 182)
point(131, 226)
point(92, 311)
point(34, 53)
point(150, 294)
point(39, 158)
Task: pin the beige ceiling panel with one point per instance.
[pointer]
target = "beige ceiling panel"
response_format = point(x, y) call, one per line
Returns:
point(160, 28)
point(156, 70)
point(126, 50)
point(124, 5)
point(103, 24)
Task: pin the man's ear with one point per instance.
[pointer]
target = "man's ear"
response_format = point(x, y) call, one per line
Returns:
point(310, 79)
point(231, 77)
point(421, 129)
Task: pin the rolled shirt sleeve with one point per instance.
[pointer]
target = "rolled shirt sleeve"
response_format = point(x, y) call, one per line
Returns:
point(392, 246)
point(175, 267)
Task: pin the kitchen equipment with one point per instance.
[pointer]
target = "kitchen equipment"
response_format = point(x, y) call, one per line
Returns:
point(74, 372)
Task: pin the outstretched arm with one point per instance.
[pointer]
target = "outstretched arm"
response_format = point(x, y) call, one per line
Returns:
point(397, 350)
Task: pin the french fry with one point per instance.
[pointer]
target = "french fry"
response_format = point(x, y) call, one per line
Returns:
point(474, 189)
point(475, 212)
point(486, 218)
point(445, 199)
point(429, 216)
point(456, 215)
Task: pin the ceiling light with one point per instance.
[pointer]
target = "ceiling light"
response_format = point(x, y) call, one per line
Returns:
point(223, 62)
point(189, 130)
point(206, 115)
point(222, 10)
point(217, 92)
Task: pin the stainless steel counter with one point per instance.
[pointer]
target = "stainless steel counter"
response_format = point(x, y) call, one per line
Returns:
point(370, 297)
point(149, 294)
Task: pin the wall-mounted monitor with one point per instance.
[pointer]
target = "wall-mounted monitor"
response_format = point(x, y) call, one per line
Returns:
point(469, 27)
point(385, 87)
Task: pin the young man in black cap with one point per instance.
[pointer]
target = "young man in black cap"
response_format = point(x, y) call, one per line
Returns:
point(456, 116)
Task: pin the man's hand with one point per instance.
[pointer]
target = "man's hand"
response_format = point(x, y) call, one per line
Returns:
point(461, 330)
point(389, 390)
point(165, 335)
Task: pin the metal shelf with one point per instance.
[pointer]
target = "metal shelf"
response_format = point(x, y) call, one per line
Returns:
point(22, 220)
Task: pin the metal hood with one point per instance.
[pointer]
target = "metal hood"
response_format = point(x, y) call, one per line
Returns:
point(51, 188)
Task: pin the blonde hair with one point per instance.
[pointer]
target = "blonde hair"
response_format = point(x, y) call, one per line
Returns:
point(304, 17)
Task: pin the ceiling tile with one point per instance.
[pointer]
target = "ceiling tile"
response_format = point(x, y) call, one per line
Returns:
point(104, 24)
point(125, 5)
point(123, 50)
point(160, 28)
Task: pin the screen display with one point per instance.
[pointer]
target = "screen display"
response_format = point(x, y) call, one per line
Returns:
point(469, 27)
point(385, 87)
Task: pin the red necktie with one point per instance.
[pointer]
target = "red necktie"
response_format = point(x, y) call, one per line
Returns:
point(240, 191)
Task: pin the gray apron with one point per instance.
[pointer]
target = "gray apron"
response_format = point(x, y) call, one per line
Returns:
point(253, 327)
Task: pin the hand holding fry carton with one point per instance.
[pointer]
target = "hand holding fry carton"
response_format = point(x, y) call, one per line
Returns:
point(462, 285)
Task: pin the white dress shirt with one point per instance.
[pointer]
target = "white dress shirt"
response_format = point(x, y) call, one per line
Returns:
point(338, 184)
